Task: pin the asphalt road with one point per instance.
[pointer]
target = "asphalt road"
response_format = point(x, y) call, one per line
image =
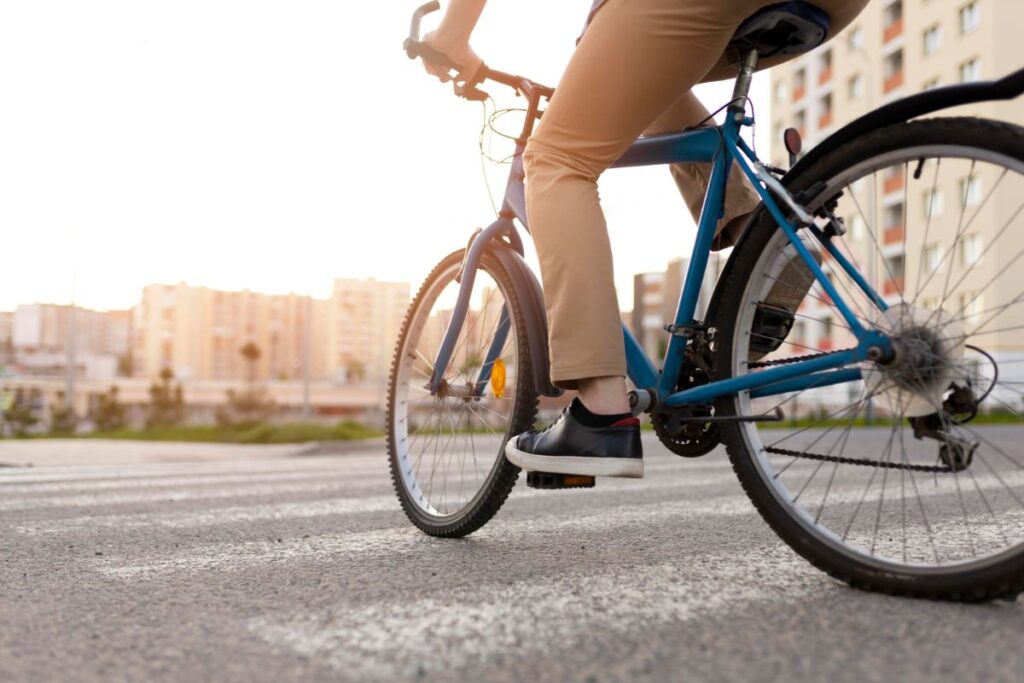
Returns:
point(304, 568)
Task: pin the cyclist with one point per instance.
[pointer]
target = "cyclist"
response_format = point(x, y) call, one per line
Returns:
point(631, 73)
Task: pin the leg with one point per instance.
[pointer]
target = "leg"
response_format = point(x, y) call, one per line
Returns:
point(692, 179)
point(632, 63)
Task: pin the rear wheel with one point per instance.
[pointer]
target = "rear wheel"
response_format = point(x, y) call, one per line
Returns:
point(446, 450)
point(911, 479)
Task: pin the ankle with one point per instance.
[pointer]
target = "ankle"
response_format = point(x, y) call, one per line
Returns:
point(604, 395)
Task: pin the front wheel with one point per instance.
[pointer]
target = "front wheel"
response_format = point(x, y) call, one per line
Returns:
point(446, 449)
point(909, 480)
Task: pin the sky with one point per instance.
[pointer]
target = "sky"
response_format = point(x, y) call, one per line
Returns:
point(270, 146)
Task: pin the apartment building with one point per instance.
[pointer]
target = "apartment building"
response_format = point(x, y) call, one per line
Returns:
point(363, 321)
point(39, 337)
point(893, 49)
point(656, 298)
point(199, 333)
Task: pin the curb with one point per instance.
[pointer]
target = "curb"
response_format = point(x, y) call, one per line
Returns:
point(345, 447)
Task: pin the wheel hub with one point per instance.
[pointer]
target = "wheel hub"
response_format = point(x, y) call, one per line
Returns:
point(928, 347)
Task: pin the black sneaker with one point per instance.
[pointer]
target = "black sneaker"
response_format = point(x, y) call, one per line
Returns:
point(566, 446)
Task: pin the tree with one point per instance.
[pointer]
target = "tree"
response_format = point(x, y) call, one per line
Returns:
point(109, 414)
point(355, 370)
point(250, 405)
point(62, 416)
point(166, 402)
point(126, 365)
point(19, 416)
point(251, 353)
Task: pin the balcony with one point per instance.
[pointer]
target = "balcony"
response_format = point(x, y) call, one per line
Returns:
point(892, 234)
point(893, 30)
point(824, 76)
point(893, 183)
point(893, 286)
point(798, 92)
point(894, 81)
point(825, 120)
point(826, 344)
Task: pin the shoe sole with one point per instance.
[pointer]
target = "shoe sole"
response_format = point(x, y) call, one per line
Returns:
point(575, 464)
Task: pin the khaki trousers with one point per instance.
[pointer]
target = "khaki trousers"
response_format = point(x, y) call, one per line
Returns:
point(631, 73)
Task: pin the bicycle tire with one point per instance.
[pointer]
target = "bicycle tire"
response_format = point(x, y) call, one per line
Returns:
point(502, 476)
point(1000, 578)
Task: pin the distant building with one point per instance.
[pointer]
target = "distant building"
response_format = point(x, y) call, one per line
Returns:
point(41, 336)
point(199, 332)
point(656, 299)
point(364, 318)
point(893, 49)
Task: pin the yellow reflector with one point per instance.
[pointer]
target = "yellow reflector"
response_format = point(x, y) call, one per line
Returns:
point(498, 378)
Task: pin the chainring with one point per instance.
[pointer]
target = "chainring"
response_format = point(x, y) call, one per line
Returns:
point(689, 439)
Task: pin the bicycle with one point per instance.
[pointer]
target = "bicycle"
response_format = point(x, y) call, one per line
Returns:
point(894, 470)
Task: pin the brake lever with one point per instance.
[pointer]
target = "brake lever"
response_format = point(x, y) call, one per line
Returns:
point(469, 91)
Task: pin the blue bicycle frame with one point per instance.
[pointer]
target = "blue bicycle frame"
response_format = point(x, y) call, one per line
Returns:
point(720, 146)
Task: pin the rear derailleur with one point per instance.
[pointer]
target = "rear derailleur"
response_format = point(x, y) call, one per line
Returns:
point(959, 407)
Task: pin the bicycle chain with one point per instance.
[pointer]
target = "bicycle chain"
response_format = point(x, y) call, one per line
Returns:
point(858, 461)
point(791, 359)
point(835, 458)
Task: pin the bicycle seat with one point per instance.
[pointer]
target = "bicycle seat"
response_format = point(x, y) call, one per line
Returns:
point(783, 29)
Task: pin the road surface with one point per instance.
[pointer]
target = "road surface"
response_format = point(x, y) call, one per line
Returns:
point(304, 568)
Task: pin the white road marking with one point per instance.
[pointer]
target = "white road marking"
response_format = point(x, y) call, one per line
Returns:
point(405, 539)
point(315, 508)
point(397, 639)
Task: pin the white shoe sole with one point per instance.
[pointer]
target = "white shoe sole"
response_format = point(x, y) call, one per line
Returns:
point(575, 464)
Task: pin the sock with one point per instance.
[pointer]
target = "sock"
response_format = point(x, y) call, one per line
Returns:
point(595, 420)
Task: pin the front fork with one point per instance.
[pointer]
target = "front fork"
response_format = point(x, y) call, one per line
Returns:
point(466, 276)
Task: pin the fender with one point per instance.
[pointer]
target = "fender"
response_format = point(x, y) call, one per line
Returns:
point(532, 301)
point(899, 111)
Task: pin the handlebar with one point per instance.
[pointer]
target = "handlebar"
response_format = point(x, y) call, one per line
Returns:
point(414, 48)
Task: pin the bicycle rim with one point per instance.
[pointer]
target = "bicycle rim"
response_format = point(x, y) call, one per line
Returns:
point(447, 449)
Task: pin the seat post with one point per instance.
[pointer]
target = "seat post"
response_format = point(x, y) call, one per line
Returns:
point(742, 87)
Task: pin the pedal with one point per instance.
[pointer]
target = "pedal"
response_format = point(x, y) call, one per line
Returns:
point(548, 480)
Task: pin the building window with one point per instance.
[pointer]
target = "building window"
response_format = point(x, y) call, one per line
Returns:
point(970, 71)
point(856, 227)
point(892, 21)
point(825, 67)
point(932, 39)
point(931, 255)
point(893, 70)
point(931, 84)
point(800, 121)
point(970, 191)
point(825, 109)
point(855, 87)
point(799, 83)
point(934, 203)
point(894, 271)
point(970, 17)
point(781, 91)
point(971, 305)
point(855, 40)
point(970, 250)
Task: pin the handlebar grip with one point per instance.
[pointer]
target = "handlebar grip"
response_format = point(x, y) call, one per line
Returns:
point(421, 11)
point(415, 48)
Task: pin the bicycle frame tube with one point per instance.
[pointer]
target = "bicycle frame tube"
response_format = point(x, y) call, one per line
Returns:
point(720, 146)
